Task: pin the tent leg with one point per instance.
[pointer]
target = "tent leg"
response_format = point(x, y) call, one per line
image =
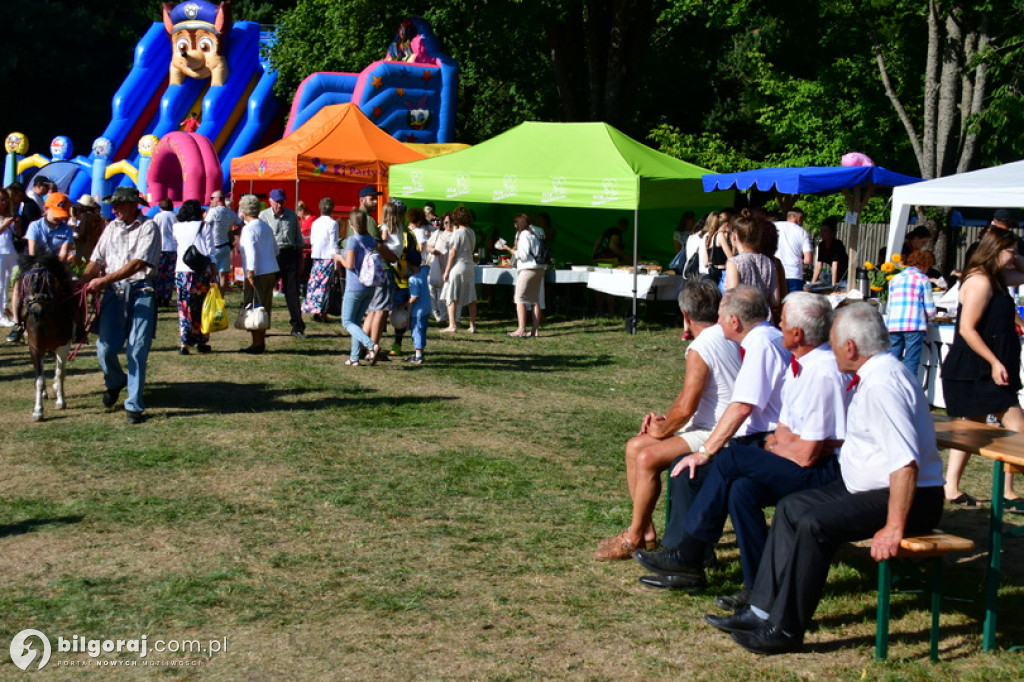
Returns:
point(631, 325)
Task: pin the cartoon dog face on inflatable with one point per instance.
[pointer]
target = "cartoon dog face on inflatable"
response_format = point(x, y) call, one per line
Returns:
point(198, 31)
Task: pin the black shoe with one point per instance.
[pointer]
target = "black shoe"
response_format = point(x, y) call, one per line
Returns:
point(669, 562)
point(733, 602)
point(134, 417)
point(110, 395)
point(298, 333)
point(15, 335)
point(768, 640)
point(204, 348)
point(183, 350)
point(744, 620)
point(670, 582)
point(253, 350)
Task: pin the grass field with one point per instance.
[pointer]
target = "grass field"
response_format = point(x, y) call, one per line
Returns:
point(402, 522)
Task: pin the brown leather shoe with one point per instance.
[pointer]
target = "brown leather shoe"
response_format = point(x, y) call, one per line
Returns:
point(617, 540)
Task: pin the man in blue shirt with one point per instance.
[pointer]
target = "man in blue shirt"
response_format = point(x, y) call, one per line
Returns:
point(49, 234)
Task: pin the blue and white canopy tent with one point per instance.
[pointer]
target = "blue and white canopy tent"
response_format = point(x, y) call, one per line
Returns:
point(857, 183)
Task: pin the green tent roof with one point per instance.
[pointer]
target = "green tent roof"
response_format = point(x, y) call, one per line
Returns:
point(583, 165)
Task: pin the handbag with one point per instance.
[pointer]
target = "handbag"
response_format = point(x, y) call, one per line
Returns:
point(253, 317)
point(195, 259)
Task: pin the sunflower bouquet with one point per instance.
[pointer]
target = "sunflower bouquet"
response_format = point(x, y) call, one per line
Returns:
point(879, 277)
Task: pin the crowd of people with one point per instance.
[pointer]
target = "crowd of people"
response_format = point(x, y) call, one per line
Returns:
point(822, 417)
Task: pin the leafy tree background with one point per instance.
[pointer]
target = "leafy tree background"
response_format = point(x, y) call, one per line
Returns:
point(726, 84)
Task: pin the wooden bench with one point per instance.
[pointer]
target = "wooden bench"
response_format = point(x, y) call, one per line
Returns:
point(929, 549)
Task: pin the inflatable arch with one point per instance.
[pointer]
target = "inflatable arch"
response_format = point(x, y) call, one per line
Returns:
point(185, 166)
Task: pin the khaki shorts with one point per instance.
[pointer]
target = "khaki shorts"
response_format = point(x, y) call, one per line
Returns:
point(694, 436)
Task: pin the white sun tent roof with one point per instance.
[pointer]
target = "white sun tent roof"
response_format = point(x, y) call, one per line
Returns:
point(998, 187)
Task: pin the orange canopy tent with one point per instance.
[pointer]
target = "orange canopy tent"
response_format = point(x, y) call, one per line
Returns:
point(333, 154)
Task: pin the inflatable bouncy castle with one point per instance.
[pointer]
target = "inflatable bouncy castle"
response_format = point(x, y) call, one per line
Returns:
point(410, 93)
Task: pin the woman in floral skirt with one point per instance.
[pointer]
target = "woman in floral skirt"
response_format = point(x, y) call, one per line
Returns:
point(323, 239)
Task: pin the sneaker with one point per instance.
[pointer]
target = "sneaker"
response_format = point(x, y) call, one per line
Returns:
point(15, 335)
point(417, 360)
point(298, 333)
point(6, 321)
point(204, 348)
point(134, 417)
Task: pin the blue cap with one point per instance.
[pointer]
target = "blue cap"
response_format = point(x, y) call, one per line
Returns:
point(369, 191)
point(278, 195)
point(194, 14)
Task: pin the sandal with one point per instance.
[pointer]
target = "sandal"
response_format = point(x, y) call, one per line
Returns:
point(1014, 504)
point(372, 355)
point(964, 500)
point(518, 335)
point(351, 363)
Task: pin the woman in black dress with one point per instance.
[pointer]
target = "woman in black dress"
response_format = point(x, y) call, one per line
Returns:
point(981, 373)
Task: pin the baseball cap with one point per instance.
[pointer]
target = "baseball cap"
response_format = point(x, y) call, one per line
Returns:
point(1002, 215)
point(369, 191)
point(278, 195)
point(59, 205)
point(40, 180)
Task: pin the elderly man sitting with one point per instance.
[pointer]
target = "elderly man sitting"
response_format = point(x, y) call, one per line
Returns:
point(799, 455)
point(712, 362)
point(891, 486)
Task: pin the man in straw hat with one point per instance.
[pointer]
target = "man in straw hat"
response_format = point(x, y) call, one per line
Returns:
point(123, 268)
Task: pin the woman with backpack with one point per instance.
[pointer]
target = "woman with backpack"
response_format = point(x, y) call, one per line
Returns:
point(358, 248)
point(530, 277)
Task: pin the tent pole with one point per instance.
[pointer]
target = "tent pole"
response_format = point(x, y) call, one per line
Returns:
point(636, 231)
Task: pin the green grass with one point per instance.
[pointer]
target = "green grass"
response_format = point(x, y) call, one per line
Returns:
point(402, 522)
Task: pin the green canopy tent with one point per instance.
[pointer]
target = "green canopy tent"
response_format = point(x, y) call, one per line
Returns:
point(552, 166)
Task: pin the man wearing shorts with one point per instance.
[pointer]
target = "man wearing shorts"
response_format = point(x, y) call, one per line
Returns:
point(222, 220)
point(712, 362)
point(800, 454)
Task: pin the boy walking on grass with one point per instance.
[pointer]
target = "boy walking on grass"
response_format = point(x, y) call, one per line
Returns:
point(419, 312)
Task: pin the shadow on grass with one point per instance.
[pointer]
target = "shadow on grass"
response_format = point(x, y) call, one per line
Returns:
point(520, 363)
point(30, 525)
point(222, 397)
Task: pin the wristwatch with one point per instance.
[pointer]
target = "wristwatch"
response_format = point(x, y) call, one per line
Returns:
point(702, 450)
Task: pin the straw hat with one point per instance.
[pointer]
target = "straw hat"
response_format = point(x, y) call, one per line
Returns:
point(88, 201)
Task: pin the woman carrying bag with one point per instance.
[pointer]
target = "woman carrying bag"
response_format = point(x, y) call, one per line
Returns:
point(259, 261)
point(193, 272)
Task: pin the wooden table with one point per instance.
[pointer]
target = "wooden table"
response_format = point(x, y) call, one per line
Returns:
point(1006, 449)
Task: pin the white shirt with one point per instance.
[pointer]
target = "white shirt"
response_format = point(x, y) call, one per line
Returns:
point(422, 235)
point(888, 426)
point(186, 234)
point(695, 243)
point(165, 220)
point(527, 244)
point(259, 248)
point(794, 242)
point(323, 238)
point(722, 357)
point(814, 401)
point(759, 381)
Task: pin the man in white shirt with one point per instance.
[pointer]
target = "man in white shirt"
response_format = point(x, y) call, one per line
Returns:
point(794, 249)
point(744, 480)
point(712, 362)
point(223, 221)
point(891, 487)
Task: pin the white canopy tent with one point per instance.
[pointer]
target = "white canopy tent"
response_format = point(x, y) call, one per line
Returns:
point(998, 187)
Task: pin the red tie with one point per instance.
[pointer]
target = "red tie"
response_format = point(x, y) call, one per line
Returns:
point(743, 353)
point(794, 365)
point(853, 382)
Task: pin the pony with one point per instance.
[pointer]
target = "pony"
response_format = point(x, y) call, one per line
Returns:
point(48, 311)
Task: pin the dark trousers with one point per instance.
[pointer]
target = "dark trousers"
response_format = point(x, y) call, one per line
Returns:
point(288, 262)
point(683, 492)
point(807, 529)
point(742, 482)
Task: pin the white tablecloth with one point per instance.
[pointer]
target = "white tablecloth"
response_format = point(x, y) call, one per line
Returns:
point(486, 274)
point(937, 341)
point(649, 287)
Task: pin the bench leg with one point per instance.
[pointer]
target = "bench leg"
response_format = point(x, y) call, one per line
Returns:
point(935, 580)
point(882, 617)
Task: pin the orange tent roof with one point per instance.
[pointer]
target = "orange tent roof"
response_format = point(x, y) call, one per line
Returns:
point(339, 144)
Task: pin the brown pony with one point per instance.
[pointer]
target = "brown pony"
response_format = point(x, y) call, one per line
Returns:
point(48, 311)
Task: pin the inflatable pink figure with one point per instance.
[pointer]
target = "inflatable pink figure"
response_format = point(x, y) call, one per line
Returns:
point(857, 159)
